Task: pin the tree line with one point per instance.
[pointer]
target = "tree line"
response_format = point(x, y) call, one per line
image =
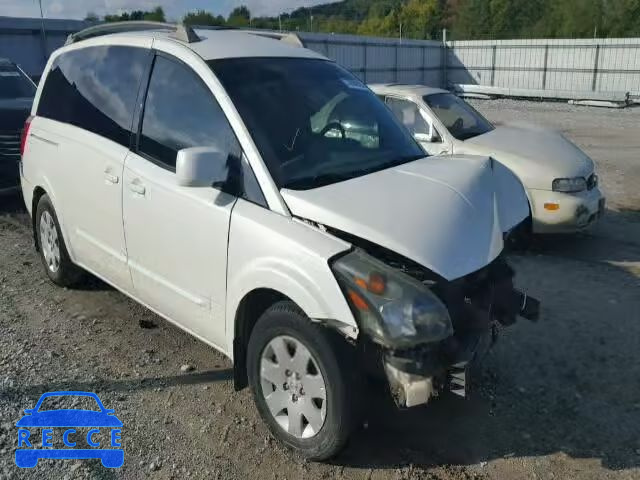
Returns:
point(425, 19)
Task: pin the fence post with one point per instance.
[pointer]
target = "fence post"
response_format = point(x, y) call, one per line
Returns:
point(444, 60)
point(493, 64)
point(544, 71)
point(424, 65)
point(364, 62)
point(595, 69)
point(395, 73)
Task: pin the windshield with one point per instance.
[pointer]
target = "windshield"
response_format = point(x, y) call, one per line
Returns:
point(13, 84)
point(461, 119)
point(313, 122)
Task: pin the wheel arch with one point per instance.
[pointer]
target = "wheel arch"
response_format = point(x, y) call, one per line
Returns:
point(249, 310)
point(39, 191)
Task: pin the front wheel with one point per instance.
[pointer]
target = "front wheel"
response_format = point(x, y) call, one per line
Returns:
point(302, 389)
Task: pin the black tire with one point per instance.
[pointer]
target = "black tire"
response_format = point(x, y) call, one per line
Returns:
point(328, 351)
point(67, 274)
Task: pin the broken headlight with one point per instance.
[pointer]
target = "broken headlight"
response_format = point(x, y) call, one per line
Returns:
point(569, 185)
point(394, 309)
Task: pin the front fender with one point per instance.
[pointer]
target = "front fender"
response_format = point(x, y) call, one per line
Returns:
point(270, 251)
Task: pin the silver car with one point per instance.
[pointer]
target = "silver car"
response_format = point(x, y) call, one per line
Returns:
point(559, 178)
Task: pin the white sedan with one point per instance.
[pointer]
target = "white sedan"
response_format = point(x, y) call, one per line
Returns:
point(559, 178)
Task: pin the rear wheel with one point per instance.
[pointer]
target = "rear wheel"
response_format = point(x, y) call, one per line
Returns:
point(302, 390)
point(53, 251)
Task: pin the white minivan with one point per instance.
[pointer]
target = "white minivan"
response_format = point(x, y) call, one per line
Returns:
point(211, 176)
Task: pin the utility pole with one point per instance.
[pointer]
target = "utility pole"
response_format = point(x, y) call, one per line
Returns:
point(280, 22)
point(445, 59)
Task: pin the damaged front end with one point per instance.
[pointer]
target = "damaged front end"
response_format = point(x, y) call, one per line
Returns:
point(426, 281)
point(425, 331)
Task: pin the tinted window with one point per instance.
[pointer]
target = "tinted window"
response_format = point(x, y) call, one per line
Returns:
point(13, 84)
point(461, 119)
point(409, 114)
point(313, 121)
point(95, 88)
point(181, 112)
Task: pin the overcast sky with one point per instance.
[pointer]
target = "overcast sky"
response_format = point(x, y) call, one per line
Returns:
point(174, 9)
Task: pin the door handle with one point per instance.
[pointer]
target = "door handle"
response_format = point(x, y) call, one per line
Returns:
point(444, 152)
point(111, 178)
point(137, 188)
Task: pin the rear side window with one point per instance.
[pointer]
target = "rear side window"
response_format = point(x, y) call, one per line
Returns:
point(409, 114)
point(95, 88)
point(181, 112)
point(13, 84)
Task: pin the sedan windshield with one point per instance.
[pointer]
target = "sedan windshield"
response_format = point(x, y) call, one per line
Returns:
point(313, 122)
point(461, 119)
point(13, 84)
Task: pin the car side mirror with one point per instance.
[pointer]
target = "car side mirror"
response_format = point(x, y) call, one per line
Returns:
point(432, 137)
point(201, 167)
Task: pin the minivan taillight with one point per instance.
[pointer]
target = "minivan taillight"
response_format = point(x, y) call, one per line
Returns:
point(25, 134)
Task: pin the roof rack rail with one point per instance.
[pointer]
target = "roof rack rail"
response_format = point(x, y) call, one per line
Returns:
point(179, 31)
point(290, 38)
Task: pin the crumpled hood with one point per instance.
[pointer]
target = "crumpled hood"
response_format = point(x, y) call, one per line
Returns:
point(537, 155)
point(445, 213)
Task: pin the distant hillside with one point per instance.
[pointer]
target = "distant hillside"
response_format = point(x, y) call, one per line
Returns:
point(475, 19)
point(425, 19)
point(355, 10)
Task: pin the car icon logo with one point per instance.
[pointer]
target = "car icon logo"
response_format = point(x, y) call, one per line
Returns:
point(73, 421)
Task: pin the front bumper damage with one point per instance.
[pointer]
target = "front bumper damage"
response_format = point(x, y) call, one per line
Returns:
point(417, 375)
point(479, 305)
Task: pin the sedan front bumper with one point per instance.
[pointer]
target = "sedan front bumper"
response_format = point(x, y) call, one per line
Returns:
point(555, 212)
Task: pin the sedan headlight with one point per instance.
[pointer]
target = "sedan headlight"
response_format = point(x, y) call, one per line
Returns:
point(394, 309)
point(569, 185)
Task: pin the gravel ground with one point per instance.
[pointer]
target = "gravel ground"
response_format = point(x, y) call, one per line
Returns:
point(557, 399)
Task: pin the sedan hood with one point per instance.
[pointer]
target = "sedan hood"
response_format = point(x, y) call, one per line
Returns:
point(445, 213)
point(535, 154)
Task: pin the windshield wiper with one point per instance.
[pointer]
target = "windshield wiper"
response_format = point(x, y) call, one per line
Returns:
point(307, 183)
